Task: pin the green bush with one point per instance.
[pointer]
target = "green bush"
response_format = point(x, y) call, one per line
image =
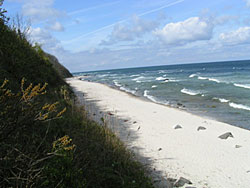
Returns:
point(25, 141)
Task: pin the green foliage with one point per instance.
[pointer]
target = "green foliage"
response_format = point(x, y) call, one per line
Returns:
point(66, 174)
point(27, 157)
point(34, 151)
point(40, 52)
point(18, 59)
point(3, 18)
point(25, 140)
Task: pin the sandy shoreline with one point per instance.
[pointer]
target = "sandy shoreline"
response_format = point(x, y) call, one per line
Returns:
point(199, 156)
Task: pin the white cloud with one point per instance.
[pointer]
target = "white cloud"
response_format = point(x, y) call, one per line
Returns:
point(44, 38)
point(56, 26)
point(239, 36)
point(247, 3)
point(100, 59)
point(224, 19)
point(192, 29)
point(40, 10)
point(136, 29)
point(122, 21)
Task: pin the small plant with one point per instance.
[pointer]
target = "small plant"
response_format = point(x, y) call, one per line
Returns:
point(23, 118)
point(62, 145)
point(60, 171)
point(22, 108)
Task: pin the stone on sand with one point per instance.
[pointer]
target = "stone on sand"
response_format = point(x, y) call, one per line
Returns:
point(226, 135)
point(201, 128)
point(177, 127)
point(181, 182)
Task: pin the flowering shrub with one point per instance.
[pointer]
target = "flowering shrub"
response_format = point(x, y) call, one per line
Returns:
point(24, 126)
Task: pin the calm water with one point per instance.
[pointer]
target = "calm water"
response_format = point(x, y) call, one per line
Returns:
point(219, 90)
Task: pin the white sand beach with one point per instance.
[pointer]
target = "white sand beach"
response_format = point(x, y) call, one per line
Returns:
point(199, 156)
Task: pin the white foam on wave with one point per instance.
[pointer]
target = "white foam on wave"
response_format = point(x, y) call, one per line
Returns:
point(171, 80)
point(160, 78)
point(161, 71)
point(190, 92)
point(152, 98)
point(214, 80)
point(103, 75)
point(192, 75)
point(210, 79)
point(134, 75)
point(145, 94)
point(221, 100)
point(117, 84)
point(202, 78)
point(239, 106)
point(138, 78)
point(127, 90)
point(154, 86)
point(243, 86)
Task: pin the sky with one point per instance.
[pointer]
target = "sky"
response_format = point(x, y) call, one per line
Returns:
point(109, 34)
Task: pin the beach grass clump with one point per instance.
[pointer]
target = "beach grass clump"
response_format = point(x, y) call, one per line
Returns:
point(45, 139)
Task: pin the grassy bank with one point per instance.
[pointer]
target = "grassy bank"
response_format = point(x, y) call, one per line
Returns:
point(45, 140)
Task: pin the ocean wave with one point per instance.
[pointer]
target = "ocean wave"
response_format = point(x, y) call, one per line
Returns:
point(117, 84)
point(103, 75)
point(192, 75)
point(152, 98)
point(161, 71)
point(171, 80)
point(214, 80)
point(243, 86)
point(153, 86)
point(202, 78)
point(145, 94)
point(221, 100)
point(127, 90)
point(160, 78)
point(138, 78)
point(134, 75)
point(239, 106)
point(210, 79)
point(190, 92)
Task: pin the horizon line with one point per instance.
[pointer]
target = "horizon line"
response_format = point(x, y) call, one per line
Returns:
point(189, 63)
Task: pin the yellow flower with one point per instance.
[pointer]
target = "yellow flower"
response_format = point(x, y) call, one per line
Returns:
point(4, 83)
point(60, 113)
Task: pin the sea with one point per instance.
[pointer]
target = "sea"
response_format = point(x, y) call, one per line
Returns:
point(216, 90)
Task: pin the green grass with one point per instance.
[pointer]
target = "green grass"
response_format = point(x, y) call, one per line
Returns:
point(33, 148)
